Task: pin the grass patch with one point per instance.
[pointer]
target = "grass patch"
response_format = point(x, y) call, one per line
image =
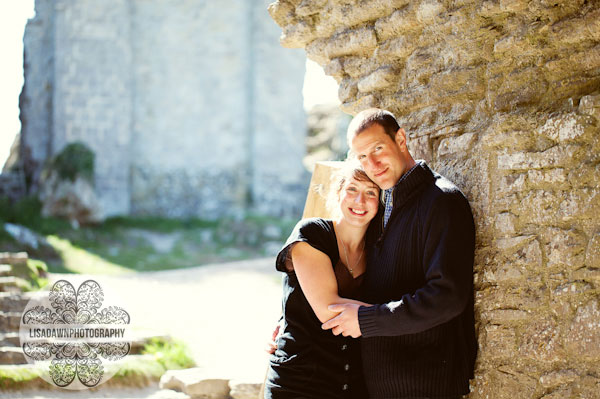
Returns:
point(124, 244)
point(12, 377)
point(172, 354)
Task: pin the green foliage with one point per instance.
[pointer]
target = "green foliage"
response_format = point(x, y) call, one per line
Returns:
point(156, 223)
point(172, 354)
point(28, 212)
point(76, 159)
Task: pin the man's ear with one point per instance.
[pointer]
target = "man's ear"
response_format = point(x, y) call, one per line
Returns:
point(400, 139)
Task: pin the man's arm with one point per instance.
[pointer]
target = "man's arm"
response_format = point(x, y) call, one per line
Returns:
point(449, 242)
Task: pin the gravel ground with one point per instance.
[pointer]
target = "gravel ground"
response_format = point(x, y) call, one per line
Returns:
point(224, 312)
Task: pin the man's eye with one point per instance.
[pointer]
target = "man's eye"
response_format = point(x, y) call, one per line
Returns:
point(361, 157)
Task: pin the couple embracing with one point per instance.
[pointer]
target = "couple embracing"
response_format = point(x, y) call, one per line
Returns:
point(394, 267)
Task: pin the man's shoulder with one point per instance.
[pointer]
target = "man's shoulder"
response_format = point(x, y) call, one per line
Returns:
point(444, 196)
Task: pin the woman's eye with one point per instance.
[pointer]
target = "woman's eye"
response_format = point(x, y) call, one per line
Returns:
point(352, 189)
point(378, 148)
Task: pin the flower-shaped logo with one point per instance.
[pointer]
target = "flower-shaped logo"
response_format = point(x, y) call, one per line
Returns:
point(73, 334)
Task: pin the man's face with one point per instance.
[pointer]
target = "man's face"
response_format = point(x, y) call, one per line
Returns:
point(381, 157)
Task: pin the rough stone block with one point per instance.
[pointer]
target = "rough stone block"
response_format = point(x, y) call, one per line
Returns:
point(579, 204)
point(548, 178)
point(567, 128)
point(541, 341)
point(420, 148)
point(396, 48)
point(347, 90)
point(356, 12)
point(592, 254)
point(505, 223)
point(538, 206)
point(565, 248)
point(334, 68)
point(358, 66)
point(504, 383)
point(428, 10)
point(584, 332)
point(196, 382)
point(459, 146)
point(307, 8)
point(500, 341)
point(505, 316)
point(560, 155)
point(397, 24)
point(558, 377)
point(244, 389)
point(297, 35)
point(590, 105)
point(360, 41)
point(378, 80)
point(360, 104)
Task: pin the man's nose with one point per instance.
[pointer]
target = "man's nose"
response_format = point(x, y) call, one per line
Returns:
point(372, 161)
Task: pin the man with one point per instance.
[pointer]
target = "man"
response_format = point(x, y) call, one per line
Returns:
point(418, 340)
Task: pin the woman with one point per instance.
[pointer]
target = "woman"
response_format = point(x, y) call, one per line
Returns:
point(324, 262)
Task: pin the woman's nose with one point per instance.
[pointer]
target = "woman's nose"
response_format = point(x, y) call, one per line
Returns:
point(359, 198)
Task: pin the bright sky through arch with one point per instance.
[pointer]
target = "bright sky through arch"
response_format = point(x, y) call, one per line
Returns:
point(12, 26)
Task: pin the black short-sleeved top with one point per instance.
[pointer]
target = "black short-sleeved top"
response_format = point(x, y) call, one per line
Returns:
point(311, 362)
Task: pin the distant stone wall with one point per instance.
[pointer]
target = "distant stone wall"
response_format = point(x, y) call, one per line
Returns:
point(502, 97)
point(192, 108)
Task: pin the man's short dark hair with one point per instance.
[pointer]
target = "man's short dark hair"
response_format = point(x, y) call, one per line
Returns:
point(369, 117)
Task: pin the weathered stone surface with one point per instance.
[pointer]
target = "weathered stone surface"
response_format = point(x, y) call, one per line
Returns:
point(584, 332)
point(122, 77)
point(244, 389)
point(74, 200)
point(558, 377)
point(541, 341)
point(502, 97)
point(377, 80)
point(592, 255)
point(196, 382)
point(565, 248)
point(499, 341)
point(457, 146)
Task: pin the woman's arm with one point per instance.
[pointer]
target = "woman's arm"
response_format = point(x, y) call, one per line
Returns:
point(317, 280)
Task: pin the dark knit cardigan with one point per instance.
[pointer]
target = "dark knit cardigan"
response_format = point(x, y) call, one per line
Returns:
point(419, 340)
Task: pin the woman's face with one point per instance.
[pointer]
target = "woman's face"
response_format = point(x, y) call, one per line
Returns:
point(359, 201)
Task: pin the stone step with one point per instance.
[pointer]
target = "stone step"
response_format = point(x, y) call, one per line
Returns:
point(12, 258)
point(10, 339)
point(12, 355)
point(14, 301)
point(5, 270)
point(10, 321)
point(10, 284)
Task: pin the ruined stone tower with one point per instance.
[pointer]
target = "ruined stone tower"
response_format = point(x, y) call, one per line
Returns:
point(191, 107)
point(502, 97)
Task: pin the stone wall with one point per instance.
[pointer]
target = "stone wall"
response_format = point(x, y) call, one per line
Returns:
point(502, 97)
point(192, 108)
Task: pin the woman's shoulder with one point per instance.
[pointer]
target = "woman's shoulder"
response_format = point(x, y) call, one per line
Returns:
point(314, 225)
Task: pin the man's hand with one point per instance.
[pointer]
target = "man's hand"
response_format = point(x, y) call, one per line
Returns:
point(345, 323)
